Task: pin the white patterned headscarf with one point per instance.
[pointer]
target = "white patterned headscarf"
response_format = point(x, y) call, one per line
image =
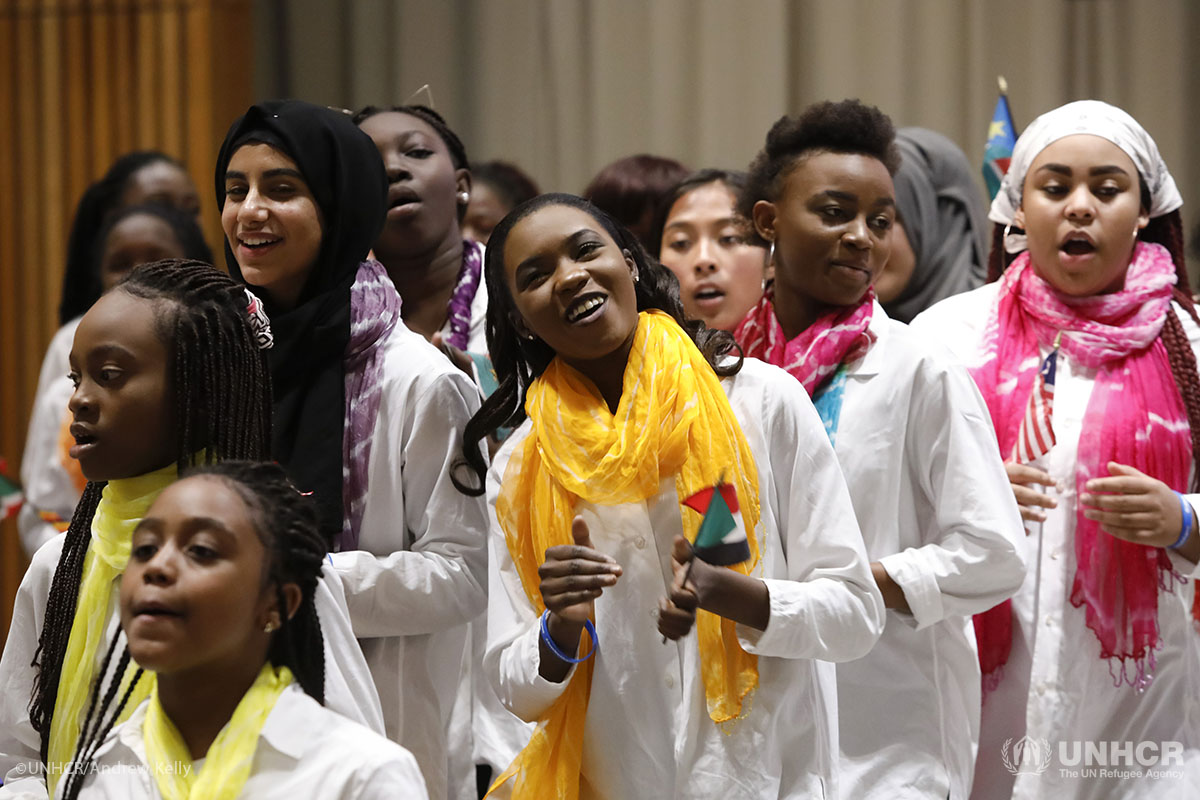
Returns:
point(1098, 119)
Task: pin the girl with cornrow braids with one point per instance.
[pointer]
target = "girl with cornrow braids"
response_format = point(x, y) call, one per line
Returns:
point(168, 372)
point(217, 604)
point(1101, 643)
point(368, 415)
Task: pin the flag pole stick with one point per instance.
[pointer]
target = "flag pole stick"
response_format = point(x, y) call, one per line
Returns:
point(1003, 84)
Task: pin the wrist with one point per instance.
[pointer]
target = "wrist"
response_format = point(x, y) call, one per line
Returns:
point(1187, 522)
point(566, 633)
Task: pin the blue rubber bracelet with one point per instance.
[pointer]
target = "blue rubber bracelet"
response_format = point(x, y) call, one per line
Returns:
point(549, 640)
point(1189, 515)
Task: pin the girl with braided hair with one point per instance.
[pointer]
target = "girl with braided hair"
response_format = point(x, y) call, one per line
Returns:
point(217, 605)
point(1100, 644)
point(912, 439)
point(368, 415)
point(168, 372)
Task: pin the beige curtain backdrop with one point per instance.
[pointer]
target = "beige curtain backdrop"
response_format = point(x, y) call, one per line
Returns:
point(564, 86)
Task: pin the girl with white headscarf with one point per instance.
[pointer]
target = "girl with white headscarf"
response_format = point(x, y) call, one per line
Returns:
point(1099, 649)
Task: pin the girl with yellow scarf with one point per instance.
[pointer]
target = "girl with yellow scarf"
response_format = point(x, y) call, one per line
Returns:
point(217, 599)
point(624, 411)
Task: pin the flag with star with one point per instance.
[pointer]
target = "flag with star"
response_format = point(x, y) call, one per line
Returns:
point(1002, 137)
point(721, 539)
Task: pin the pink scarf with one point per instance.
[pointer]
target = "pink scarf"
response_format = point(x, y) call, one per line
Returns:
point(374, 311)
point(838, 336)
point(1136, 416)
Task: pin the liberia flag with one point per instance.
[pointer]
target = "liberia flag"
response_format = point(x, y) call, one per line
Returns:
point(721, 539)
point(1036, 436)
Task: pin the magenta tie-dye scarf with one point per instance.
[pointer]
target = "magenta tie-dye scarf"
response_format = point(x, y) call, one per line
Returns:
point(1135, 416)
point(374, 311)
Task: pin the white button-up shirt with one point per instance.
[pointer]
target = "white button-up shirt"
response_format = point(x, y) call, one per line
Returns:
point(917, 448)
point(304, 751)
point(1055, 688)
point(648, 733)
point(349, 689)
point(419, 574)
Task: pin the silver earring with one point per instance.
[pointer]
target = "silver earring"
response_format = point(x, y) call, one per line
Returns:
point(464, 197)
point(771, 253)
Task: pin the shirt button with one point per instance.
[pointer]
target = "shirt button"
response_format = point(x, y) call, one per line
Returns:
point(654, 613)
point(670, 682)
point(1041, 689)
point(1055, 553)
point(1049, 621)
point(640, 542)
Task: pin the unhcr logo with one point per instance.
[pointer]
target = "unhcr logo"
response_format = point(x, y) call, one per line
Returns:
point(1026, 757)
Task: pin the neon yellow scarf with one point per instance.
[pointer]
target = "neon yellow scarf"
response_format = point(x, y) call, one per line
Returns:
point(673, 419)
point(229, 758)
point(122, 506)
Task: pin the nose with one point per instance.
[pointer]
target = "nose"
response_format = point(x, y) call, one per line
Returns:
point(81, 403)
point(160, 569)
point(706, 257)
point(252, 209)
point(1080, 203)
point(570, 278)
point(395, 168)
point(857, 234)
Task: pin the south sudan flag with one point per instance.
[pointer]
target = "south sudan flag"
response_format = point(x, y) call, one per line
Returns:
point(721, 539)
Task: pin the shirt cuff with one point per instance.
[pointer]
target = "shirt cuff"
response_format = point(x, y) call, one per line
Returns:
point(773, 641)
point(919, 586)
point(532, 694)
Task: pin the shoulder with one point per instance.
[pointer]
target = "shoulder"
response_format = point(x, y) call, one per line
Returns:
point(414, 368)
point(957, 323)
point(45, 562)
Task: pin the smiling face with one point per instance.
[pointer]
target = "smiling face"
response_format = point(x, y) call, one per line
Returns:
point(194, 595)
point(122, 408)
point(137, 239)
point(271, 221)
point(1081, 210)
point(720, 276)
point(832, 231)
point(572, 287)
point(423, 184)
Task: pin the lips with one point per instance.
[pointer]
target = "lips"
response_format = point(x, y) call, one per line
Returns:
point(586, 308)
point(401, 197)
point(154, 609)
point(85, 439)
point(708, 295)
point(1077, 243)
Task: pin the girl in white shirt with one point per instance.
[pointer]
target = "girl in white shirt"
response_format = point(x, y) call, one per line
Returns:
point(217, 608)
point(368, 415)
point(168, 371)
point(1099, 649)
point(912, 438)
point(625, 412)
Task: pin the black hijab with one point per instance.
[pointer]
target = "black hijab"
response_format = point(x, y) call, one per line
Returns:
point(344, 171)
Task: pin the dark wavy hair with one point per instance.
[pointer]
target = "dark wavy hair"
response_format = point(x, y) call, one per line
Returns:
point(847, 126)
point(733, 180)
point(518, 361)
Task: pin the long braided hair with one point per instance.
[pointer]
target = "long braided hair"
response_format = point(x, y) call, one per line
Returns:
point(286, 523)
point(518, 361)
point(222, 389)
point(1167, 231)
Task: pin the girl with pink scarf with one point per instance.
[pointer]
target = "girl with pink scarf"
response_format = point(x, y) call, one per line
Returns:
point(912, 438)
point(1099, 646)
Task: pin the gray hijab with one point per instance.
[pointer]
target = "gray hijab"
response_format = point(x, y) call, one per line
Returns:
point(945, 218)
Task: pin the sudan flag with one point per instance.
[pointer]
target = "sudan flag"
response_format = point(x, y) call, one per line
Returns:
point(721, 539)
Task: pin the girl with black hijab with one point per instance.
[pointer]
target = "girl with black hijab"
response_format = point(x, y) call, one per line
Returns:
point(368, 415)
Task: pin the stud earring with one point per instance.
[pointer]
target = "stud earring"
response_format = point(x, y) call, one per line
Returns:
point(271, 626)
point(464, 197)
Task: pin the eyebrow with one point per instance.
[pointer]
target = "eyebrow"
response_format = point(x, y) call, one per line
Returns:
point(536, 257)
point(233, 175)
point(847, 197)
point(112, 350)
point(1063, 169)
point(722, 222)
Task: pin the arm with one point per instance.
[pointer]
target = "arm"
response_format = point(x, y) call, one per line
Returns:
point(20, 759)
point(47, 485)
point(827, 607)
point(349, 689)
point(433, 576)
point(969, 558)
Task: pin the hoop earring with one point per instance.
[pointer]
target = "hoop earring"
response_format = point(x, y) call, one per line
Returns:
point(770, 254)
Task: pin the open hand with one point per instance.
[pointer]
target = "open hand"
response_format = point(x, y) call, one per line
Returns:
point(573, 576)
point(1133, 506)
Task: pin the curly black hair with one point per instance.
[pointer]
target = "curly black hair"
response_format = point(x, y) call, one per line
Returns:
point(848, 126)
point(518, 361)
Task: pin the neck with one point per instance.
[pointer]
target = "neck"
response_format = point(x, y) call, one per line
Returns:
point(607, 372)
point(201, 705)
point(797, 313)
point(426, 283)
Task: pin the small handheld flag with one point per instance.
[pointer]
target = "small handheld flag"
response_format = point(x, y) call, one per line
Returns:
point(721, 539)
point(1036, 435)
point(10, 495)
point(1002, 137)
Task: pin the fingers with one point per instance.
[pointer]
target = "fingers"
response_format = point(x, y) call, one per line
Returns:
point(1124, 503)
point(681, 550)
point(1140, 484)
point(1136, 521)
point(1121, 469)
point(1031, 497)
point(674, 622)
point(1026, 475)
point(580, 533)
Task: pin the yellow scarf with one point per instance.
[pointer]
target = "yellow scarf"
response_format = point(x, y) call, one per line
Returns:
point(122, 506)
point(673, 419)
point(228, 760)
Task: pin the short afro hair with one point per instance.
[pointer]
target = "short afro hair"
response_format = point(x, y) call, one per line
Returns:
point(848, 126)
